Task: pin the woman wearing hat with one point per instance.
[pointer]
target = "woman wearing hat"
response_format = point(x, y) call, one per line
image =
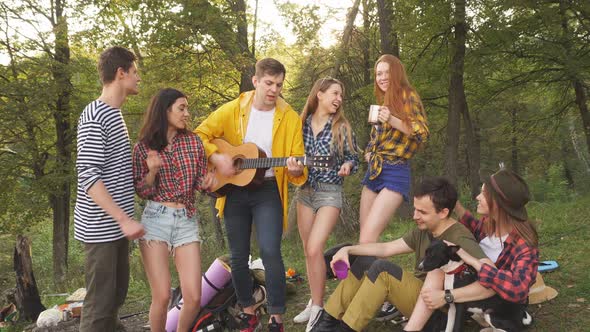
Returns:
point(506, 236)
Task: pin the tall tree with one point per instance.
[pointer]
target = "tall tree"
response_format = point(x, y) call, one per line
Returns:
point(366, 43)
point(580, 87)
point(230, 31)
point(389, 40)
point(473, 141)
point(54, 168)
point(457, 101)
point(64, 131)
point(346, 35)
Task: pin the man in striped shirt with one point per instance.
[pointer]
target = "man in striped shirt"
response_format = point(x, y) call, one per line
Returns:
point(103, 215)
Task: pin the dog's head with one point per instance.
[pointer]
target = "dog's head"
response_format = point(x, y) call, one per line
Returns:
point(437, 255)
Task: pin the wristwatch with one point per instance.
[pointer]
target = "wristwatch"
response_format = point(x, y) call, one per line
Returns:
point(449, 298)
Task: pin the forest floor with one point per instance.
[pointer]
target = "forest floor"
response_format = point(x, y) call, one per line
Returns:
point(563, 227)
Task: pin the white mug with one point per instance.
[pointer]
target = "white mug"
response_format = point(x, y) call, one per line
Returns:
point(374, 114)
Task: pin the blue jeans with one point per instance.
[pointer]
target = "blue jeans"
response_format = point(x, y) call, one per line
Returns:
point(260, 207)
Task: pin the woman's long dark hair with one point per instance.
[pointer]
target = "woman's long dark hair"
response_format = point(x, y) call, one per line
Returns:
point(155, 120)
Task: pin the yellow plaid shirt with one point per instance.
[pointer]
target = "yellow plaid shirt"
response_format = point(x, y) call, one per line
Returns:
point(389, 145)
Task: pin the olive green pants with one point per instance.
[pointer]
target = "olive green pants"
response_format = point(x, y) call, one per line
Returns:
point(107, 280)
point(358, 297)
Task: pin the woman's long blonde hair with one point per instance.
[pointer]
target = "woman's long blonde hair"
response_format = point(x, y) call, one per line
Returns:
point(397, 96)
point(498, 218)
point(341, 129)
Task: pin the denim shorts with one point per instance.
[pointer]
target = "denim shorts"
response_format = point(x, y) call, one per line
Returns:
point(169, 225)
point(393, 177)
point(326, 194)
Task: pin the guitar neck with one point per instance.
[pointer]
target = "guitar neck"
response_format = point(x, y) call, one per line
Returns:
point(249, 163)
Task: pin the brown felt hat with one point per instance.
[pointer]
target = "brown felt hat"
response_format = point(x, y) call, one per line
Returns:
point(509, 190)
point(540, 292)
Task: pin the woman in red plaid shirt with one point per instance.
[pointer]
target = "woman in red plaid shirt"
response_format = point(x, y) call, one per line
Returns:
point(169, 165)
point(506, 236)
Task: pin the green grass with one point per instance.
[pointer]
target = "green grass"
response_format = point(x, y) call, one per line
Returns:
point(563, 227)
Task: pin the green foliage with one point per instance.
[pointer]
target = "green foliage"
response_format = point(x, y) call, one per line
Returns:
point(552, 186)
point(305, 22)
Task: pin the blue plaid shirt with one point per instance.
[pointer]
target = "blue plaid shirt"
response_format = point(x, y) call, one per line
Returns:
point(323, 145)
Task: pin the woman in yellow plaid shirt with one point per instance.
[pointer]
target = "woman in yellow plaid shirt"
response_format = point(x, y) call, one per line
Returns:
point(401, 131)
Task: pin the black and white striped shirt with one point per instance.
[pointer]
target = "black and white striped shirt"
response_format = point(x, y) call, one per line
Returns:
point(104, 153)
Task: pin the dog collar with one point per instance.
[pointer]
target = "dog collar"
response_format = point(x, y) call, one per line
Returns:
point(459, 269)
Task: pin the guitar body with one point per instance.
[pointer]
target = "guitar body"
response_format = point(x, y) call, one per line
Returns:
point(249, 178)
point(251, 163)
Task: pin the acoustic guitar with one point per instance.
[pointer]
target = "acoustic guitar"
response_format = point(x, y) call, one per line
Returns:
point(251, 163)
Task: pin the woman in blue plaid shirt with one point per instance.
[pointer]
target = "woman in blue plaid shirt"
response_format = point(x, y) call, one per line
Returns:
point(325, 132)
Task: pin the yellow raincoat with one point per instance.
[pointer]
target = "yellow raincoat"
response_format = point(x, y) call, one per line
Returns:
point(230, 122)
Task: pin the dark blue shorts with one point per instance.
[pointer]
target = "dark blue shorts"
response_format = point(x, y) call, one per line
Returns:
point(393, 177)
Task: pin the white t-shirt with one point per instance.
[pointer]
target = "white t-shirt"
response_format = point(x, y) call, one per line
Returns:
point(259, 132)
point(492, 246)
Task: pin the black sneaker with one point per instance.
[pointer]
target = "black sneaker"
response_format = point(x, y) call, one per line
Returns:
point(388, 312)
point(326, 323)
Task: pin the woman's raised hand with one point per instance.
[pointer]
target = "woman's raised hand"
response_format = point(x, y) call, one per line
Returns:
point(153, 161)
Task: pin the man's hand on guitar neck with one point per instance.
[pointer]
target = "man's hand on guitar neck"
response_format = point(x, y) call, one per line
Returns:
point(223, 164)
point(294, 167)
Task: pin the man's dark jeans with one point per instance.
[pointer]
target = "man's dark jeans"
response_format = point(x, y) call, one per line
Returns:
point(262, 208)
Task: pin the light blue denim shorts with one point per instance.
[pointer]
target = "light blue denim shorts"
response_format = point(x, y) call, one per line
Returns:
point(325, 194)
point(169, 225)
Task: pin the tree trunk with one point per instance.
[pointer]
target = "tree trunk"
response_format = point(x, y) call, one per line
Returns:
point(514, 140)
point(577, 83)
point(253, 49)
point(567, 171)
point(366, 44)
point(457, 100)
point(60, 204)
point(343, 50)
point(349, 217)
point(204, 17)
point(60, 199)
point(28, 301)
point(473, 151)
point(292, 227)
point(246, 60)
point(389, 42)
point(580, 152)
point(582, 103)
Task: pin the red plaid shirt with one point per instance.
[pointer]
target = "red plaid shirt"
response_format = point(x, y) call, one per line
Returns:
point(516, 267)
point(184, 166)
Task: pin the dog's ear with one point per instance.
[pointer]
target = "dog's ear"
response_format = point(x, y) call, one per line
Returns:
point(454, 256)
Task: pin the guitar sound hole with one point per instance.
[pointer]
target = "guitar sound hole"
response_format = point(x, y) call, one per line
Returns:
point(238, 161)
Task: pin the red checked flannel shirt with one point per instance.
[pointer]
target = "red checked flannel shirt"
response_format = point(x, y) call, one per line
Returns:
point(516, 267)
point(184, 166)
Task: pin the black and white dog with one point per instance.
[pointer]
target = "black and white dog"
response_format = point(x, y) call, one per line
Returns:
point(498, 313)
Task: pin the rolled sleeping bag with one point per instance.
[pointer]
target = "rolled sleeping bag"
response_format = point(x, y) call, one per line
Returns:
point(216, 277)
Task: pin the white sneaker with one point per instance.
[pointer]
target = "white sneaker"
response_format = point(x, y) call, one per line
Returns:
point(314, 316)
point(303, 316)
